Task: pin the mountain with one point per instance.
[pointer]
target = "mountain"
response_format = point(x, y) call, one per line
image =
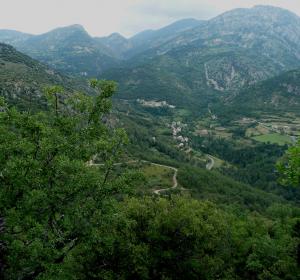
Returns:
point(116, 43)
point(191, 76)
point(278, 94)
point(145, 40)
point(70, 49)
point(22, 79)
point(149, 39)
point(13, 37)
point(274, 32)
point(223, 55)
point(189, 57)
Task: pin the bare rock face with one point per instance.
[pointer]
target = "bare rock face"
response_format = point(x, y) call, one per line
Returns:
point(241, 47)
point(236, 49)
point(281, 93)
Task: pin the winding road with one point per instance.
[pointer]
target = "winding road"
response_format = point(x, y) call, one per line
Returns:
point(158, 192)
point(211, 163)
point(175, 183)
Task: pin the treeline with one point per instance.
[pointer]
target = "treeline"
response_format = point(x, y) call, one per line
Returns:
point(251, 164)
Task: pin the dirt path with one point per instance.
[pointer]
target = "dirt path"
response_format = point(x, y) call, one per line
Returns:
point(210, 165)
point(175, 183)
point(158, 192)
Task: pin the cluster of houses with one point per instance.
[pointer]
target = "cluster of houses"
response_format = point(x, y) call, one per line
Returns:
point(177, 128)
point(155, 104)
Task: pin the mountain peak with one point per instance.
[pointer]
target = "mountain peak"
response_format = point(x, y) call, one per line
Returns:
point(258, 15)
point(70, 28)
point(273, 9)
point(116, 36)
point(268, 7)
point(74, 26)
point(71, 34)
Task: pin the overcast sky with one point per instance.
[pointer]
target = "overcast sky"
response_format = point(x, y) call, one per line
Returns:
point(102, 17)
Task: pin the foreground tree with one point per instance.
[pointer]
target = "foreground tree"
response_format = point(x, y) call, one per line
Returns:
point(62, 218)
point(289, 167)
point(183, 238)
point(52, 203)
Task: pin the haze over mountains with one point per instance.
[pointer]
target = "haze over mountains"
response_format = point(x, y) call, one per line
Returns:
point(183, 174)
point(187, 62)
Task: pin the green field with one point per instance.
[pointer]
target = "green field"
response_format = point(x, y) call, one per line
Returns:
point(157, 176)
point(274, 138)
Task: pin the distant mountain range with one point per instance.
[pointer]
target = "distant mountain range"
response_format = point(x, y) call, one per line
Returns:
point(221, 56)
point(72, 50)
point(189, 62)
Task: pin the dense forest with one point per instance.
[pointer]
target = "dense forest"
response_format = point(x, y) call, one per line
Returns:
point(64, 218)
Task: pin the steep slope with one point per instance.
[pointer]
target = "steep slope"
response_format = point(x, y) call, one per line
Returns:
point(70, 49)
point(13, 37)
point(149, 39)
point(190, 76)
point(274, 32)
point(23, 79)
point(116, 44)
point(235, 50)
point(278, 94)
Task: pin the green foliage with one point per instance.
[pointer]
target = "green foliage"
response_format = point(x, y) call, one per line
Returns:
point(289, 167)
point(224, 190)
point(251, 164)
point(181, 237)
point(279, 94)
point(62, 218)
point(23, 79)
point(51, 200)
point(70, 50)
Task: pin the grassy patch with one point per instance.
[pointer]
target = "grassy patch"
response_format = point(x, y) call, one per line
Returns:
point(274, 138)
point(157, 177)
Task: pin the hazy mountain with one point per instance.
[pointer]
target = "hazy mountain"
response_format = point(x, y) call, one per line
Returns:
point(149, 39)
point(22, 78)
point(274, 32)
point(116, 44)
point(234, 50)
point(281, 93)
point(13, 37)
point(70, 49)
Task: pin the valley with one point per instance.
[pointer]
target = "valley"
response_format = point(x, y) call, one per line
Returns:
point(170, 154)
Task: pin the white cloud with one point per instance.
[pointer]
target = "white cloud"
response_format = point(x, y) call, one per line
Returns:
point(102, 17)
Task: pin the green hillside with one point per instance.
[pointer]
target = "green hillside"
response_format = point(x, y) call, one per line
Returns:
point(23, 79)
point(278, 94)
point(186, 167)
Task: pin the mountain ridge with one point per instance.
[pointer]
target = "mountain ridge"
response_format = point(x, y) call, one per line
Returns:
point(236, 49)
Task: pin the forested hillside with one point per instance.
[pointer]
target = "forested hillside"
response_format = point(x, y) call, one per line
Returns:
point(63, 218)
point(23, 79)
point(180, 160)
point(278, 94)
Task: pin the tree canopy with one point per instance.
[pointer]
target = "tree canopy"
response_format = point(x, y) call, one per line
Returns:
point(51, 201)
point(290, 167)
